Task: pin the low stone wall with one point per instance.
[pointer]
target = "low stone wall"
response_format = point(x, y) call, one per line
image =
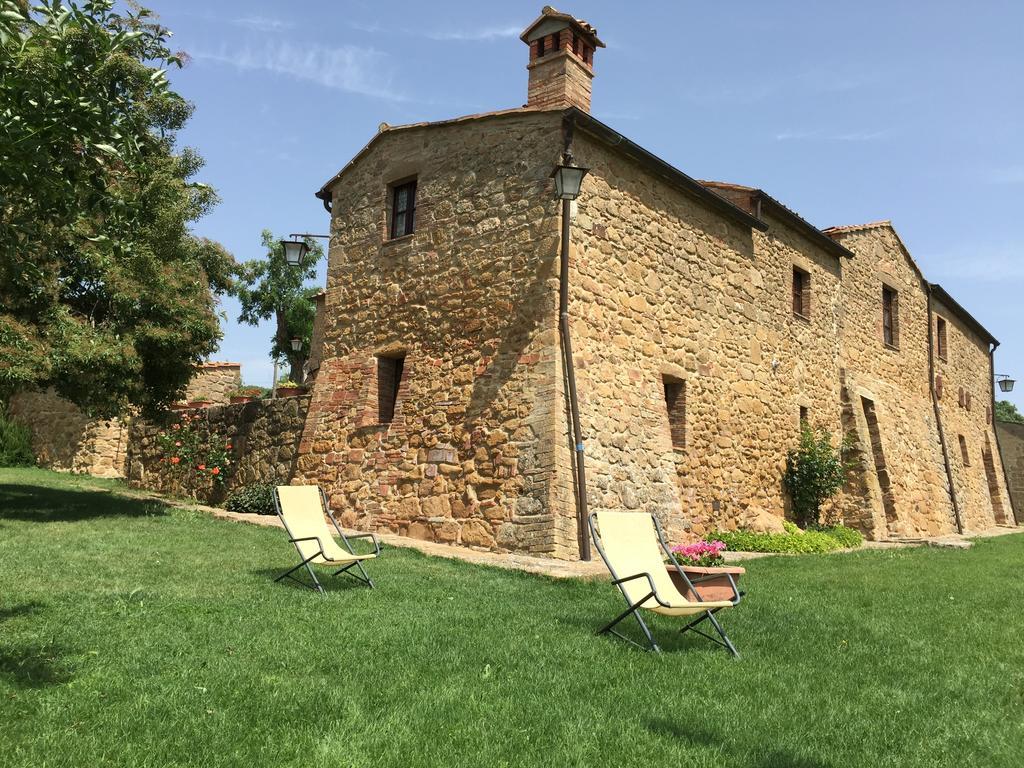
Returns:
point(1011, 444)
point(264, 437)
point(214, 381)
point(66, 440)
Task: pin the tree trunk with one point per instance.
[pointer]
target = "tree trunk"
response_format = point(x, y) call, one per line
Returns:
point(284, 342)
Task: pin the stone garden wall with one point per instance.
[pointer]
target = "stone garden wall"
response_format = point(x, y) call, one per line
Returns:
point(214, 382)
point(67, 440)
point(263, 435)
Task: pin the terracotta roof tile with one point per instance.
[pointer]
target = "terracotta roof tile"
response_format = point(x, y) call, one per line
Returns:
point(856, 227)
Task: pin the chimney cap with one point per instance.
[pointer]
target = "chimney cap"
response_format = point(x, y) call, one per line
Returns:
point(551, 14)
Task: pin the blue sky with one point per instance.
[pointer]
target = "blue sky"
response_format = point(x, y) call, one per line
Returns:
point(847, 113)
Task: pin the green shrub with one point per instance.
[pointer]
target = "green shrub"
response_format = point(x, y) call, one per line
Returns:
point(793, 541)
point(815, 471)
point(255, 499)
point(250, 391)
point(15, 444)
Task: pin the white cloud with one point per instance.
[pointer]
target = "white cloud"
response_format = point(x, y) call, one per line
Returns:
point(486, 33)
point(264, 23)
point(344, 68)
point(459, 35)
point(817, 135)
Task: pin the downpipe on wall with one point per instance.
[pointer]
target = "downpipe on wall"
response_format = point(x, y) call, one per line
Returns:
point(582, 530)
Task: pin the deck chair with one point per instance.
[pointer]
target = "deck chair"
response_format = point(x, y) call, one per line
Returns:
point(633, 547)
point(301, 509)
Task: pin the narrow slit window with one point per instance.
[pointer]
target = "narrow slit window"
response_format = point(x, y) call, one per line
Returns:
point(540, 46)
point(890, 316)
point(801, 293)
point(389, 379)
point(963, 451)
point(675, 405)
point(805, 416)
point(403, 209)
point(940, 338)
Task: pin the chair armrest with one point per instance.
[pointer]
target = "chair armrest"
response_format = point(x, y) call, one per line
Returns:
point(310, 538)
point(650, 581)
point(370, 535)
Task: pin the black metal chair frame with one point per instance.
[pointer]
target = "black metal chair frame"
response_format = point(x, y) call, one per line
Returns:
point(634, 608)
point(362, 576)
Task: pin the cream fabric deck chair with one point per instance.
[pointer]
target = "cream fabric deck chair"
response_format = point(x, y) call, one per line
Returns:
point(301, 509)
point(633, 547)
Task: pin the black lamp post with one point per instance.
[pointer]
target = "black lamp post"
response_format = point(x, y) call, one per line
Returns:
point(568, 181)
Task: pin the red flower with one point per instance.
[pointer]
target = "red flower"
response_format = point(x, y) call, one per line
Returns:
point(215, 471)
point(202, 467)
point(175, 459)
point(177, 426)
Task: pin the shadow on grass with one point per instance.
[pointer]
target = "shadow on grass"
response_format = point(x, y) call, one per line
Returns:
point(32, 503)
point(762, 757)
point(30, 665)
point(330, 582)
point(666, 634)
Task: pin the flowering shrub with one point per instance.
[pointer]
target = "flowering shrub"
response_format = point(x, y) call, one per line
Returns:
point(704, 554)
point(196, 461)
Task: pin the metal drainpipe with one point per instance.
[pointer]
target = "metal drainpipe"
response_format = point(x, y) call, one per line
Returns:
point(938, 416)
point(995, 432)
point(574, 408)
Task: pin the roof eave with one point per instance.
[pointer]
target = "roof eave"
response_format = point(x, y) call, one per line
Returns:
point(670, 173)
point(944, 296)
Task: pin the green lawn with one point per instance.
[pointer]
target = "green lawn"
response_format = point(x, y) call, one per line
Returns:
point(133, 634)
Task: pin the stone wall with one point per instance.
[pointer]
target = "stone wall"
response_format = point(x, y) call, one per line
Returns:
point(1011, 440)
point(963, 385)
point(663, 288)
point(264, 437)
point(214, 382)
point(468, 302)
point(887, 397)
point(67, 440)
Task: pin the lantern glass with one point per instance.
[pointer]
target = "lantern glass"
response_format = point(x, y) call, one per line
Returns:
point(568, 181)
point(1006, 385)
point(296, 345)
point(294, 251)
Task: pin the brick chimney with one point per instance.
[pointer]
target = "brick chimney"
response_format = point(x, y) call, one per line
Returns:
point(561, 60)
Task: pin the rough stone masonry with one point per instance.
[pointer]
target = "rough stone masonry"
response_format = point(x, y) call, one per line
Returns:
point(709, 321)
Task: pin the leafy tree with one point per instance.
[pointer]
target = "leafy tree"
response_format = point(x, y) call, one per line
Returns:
point(1007, 412)
point(815, 471)
point(106, 294)
point(270, 288)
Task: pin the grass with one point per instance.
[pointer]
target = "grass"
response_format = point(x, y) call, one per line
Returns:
point(138, 635)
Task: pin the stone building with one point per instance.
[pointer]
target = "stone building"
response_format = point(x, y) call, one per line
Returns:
point(708, 321)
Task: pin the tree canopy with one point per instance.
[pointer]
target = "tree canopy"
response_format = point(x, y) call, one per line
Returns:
point(1007, 412)
point(269, 288)
point(106, 293)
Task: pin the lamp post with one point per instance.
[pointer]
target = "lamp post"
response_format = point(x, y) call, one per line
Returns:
point(1005, 382)
point(568, 181)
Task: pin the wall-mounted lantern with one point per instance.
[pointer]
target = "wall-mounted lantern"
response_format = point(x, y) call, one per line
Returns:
point(568, 180)
point(294, 251)
point(296, 345)
point(1005, 382)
